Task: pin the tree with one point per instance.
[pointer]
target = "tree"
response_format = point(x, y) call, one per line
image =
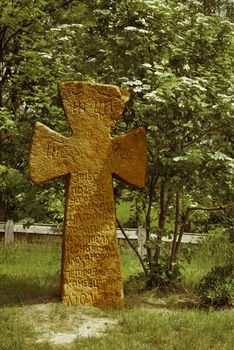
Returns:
point(33, 35)
point(177, 59)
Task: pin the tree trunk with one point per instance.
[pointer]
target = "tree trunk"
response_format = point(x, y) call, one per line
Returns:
point(138, 221)
point(1, 94)
point(182, 227)
point(161, 222)
point(175, 234)
point(2, 209)
point(152, 187)
point(133, 248)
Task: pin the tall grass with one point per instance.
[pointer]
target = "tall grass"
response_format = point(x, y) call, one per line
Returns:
point(30, 272)
point(214, 250)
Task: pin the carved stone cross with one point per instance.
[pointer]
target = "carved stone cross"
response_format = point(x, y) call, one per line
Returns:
point(90, 273)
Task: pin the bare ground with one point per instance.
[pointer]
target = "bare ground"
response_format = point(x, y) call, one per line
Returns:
point(61, 325)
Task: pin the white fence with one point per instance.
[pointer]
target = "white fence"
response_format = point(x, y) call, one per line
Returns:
point(9, 229)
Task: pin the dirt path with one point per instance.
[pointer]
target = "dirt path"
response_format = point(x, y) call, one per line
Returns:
point(61, 325)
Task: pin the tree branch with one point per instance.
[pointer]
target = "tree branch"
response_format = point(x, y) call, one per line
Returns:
point(20, 29)
point(61, 6)
point(212, 208)
point(150, 152)
point(132, 246)
point(200, 135)
point(152, 186)
point(175, 233)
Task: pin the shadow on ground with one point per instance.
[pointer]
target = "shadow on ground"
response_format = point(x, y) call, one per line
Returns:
point(15, 291)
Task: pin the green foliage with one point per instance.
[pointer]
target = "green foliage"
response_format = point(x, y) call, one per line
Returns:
point(34, 57)
point(215, 250)
point(175, 57)
point(161, 276)
point(177, 60)
point(217, 287)
point(215, 259)
point(123, 212)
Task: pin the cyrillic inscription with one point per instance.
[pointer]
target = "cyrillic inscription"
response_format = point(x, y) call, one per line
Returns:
point(90, 259)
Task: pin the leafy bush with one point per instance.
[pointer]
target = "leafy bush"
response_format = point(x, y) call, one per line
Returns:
point(217, 287)
point(163, 276)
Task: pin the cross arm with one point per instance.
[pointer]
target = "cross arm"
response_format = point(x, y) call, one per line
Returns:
point(47, 158)
point(130, 157)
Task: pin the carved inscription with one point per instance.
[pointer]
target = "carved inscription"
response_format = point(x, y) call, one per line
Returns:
point(60, 152)
point(90, 157)
point(92, 255)
point(98, 107)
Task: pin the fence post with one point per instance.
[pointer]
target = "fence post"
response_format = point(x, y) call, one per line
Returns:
point(9, 232)
point(141, 233)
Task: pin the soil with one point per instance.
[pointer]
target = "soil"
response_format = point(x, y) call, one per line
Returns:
point(54, 323)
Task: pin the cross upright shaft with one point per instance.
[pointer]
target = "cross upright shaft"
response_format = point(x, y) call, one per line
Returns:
point(90, 273)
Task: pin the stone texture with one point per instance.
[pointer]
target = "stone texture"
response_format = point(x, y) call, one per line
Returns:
point(90, 157)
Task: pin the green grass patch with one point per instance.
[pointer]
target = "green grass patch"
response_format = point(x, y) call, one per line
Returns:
point(148, 329)
point(138, 327)
point(123, 212)
point(30, 274)
point(130, 264)
point(215, 250)
point(14, 333)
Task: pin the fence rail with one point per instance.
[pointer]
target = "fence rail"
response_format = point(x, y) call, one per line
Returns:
point(9, 229)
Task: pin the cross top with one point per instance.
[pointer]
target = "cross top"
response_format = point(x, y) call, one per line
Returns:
point(91, 105)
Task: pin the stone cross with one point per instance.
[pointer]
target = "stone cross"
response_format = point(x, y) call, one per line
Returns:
point(90, 273)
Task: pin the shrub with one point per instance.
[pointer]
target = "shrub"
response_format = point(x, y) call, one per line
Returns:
point(216, 289)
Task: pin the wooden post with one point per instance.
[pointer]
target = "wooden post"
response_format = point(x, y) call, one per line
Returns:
point(9, 232)
point(141, 232)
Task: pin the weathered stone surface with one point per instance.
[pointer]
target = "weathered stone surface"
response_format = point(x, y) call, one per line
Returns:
point(90, 261)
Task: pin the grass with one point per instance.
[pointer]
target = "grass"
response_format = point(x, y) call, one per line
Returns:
point(126, 213)
point(148, 329)
point(30, 274)
point(32, 271)
point(139, 327)
point(123, 211)
point(214, 250)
